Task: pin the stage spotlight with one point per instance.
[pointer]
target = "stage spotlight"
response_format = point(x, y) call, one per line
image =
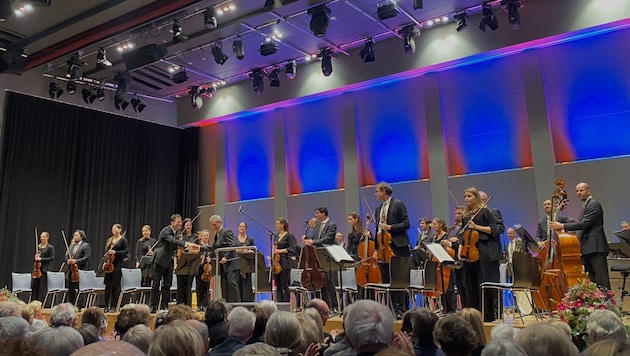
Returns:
point(319, 19)
point(178, 35)
point(274, 78)
point(417, 4)
point(120, 103)
point(237, 48)
point(121, 83)
point(54, 91)
point(195, 98)
point(514, 17)
point(38, 2)
point(269, 5)
point(5, 10)
point(209, 20)
point(101, 59)
point(489, 18)
point(258, 83)
point(386, 10)
point(137, 104)
point(100, 94)
point(268, 46)
point(75, 67)
point(409, 43)
point(180, 76)
point(217, 53)
point(461, 21)
point(86, 94)
point(327, 67)
point(367, 53)
point(71, 88)
point(290, 69)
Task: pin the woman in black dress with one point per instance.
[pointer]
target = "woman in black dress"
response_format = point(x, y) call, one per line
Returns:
point(245, 282)
point(285, 247)
point(45, 254)
point(118, 247)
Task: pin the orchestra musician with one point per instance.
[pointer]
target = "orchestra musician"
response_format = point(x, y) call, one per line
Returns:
point(486, 269)
point(228, 260)
point(426, 234)
point(203, 287)
point(392, 217)
point(143, 248)
point(245, 282)
point(542, 228)
point(118, 247)
point(45, 254)
point(184, 281)
point(455, 282)
point(497, 214)
point(80, 252)
point(286, 247)
point(163, 261)
point(441, 237)
point(593, 243)
point(339, 240)
point(324, 234)
point(355, 235)
point(515, 244)
point(625, 225)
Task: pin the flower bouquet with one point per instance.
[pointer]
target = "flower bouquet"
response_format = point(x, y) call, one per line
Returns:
point(6, 294)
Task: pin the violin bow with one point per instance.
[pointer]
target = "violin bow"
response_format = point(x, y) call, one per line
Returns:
point(36, 242)
point(477, 213)
point(453, 196)
point(111, 248)
point(367, 206)
point(65, 241)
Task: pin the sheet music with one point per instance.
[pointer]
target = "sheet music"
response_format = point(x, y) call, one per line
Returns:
point(338, 254)
point(439, 252)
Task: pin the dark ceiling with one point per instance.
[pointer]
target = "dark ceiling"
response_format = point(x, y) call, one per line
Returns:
point(50, 35)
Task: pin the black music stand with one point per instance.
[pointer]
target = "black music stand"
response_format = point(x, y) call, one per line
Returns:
point(333, 258)
point(619, 249)
point(623, 236)
point(531, 244)
point(188, 264)
point(145, 265)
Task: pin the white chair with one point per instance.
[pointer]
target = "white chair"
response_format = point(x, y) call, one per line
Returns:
point(131, 283)
point(416, 287)
point(295, 287)
point(86, 286)
point(347, 288)
point(399, 281)
point(21, 283)
point(56, 285)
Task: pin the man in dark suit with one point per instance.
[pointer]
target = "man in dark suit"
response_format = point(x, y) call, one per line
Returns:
point(392, 217)
point(240, 328)
point(230, 265)
point(80, 253)
point(324, 234)
point(163, 261)
point(542, 228)
point(593, 242)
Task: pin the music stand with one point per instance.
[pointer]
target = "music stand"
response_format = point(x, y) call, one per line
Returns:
point(619, 249)
point(529, 240)
point(188, 264)
point(145, 265)
point(623, 235)
point(335, 258)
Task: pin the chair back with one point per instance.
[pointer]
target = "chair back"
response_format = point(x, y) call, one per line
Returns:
point(131, 279)
point(503, 267)
point(399, 272)
point(430, 275)
point(262, 280)
point(20, 282)
point(295, 277)
point(522, 267)
point(56, 281)
point(99, 282)
point(348, 279)
point(86, 280)
point(416, 277)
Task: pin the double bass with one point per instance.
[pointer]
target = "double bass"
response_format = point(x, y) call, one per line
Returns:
point(313, 276)
point(368, 270)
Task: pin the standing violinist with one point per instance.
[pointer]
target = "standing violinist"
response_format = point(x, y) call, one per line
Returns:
point(45, 254)
point(184, 281)
point(426, 233)
point(480, 221)
point(392, 217)
point(455, 282)
point(203, 286)
point(117, 248)
point(285, 248)
point(245, 282)
point(80, 253)
point(144, 255)
point(324, 234)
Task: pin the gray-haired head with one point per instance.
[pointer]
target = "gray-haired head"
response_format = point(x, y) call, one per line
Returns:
point(8, 308)
point(268, 306)
point(62, 315)
point(241, 323)
point(503, 347)
point(369, 325)
point(604, 324)
point(13, 326)
point(59, 341)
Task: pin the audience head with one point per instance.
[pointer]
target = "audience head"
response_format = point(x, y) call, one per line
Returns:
point(321, 306)
point(406, 326)
point(176, 338)
point(60, 340)
point(317, 319)
point(503, 347)
point(63, 315)
point(109, 348)
point(241, 323)
point(127, 318)
point(139, 336)
point(473, 317)
point(13, 326)
point(284, 331)
point(8, 308)
point(268, 306)
point(89, 333)
point(202, 329)
point(608, 347)
point(454, 335)
point(22, 346)
point(27, 313)
point(423, 322)
point(216, 312)
point(310, 331)
point(160, 318)
point(543, 339)
point(256, 349)
point(503, 331)
point(259, 326)
point(369, 326)
point(605, 324)
point(96, 317)
point(181, 312)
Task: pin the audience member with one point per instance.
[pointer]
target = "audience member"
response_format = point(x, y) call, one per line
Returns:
point(127, 318)
point(8, 308)
point(474, 318)
point(503, 347)
point(503, 331)
point(608, 347)
point(181, 312)
point(36, 305)
point(21, 346)
point(256, 349)
point(216, 314)
point(284, 332)
point(108, 348)
point(321, 306)
point(63, 315)
point(369, 326)
point(160, 318)
point(13, 326)
point(176, 338)
point(311, 333)
point(95, 316)
point(543, 339)
point(342, 344)
point(604, 324)
point(239, 329)
point(318, 326)
point(202, 329)
point(258, 334)
point(143, 312)
point(89, 333)
point(454, 335)
point(268, 306)
point(139, 336)
point(423, 323)
point(60, 340)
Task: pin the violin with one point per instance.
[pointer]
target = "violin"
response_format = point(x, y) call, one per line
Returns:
point(206, 276)
point(74, 269)
point(276, 268)
point(469, 251)
point(384, 239)
point(108, 266)
point(37, 265)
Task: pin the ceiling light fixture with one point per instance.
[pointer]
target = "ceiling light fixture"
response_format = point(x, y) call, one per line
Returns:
point(101, 59)
point(137, 104)
point(417, 4)
point(180, 76)
point(409, 43)
point(209, 20)
point(258, 83)
point(195, 98)
point(75, 67)
point(237, 48)
point(367, 53)
point(514, 17)
point(268, 46)
point(217, 53)
point(178, 35)
point(327, 67)
point(489, 18)
point(290, 69)
point(386, 10)
point(120, 103)
point(461, 21)
point(54, 91)
point(71, 88)
point(86, 94)
point(100, 94)
point(274, 78)
point(319, 19)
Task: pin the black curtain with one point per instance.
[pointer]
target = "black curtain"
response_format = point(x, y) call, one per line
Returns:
point(65, 168)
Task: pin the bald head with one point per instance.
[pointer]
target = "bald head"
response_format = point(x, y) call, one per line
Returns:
point(107, 348)
point(583, 191)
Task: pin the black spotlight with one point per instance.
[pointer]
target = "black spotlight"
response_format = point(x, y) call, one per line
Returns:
point(71, 88)
point(319, 19)
point(417, 4)
point(180, 76)
point(100, 94)
point(327, 67)
point(178, 35)
point(268, 46)
point(274, 78)
point(120, 103)
point(367, 53)
point(489, 18)
point(461, 21)
point(409, 43)
point(87, 94)
point(209, 20)
point(38, 2)
point(217, 53)
point(386, 10)
point(195, 98)
point(259, 84)
point(5, 10)
point(137, 104)
point(514, 17)
point(75, 67)
point(54, 91)
point(237, 48)
point(290, 69)
point(269, 5)
point(101, 59)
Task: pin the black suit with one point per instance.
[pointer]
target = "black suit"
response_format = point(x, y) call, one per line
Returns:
point(163, 265)
point(227, 347)
point(230, 271)
point(324, 234)
point(593, 242)
point(542, 228)
point(82, 258)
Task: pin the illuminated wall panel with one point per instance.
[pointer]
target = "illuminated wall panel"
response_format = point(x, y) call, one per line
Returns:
point(249, 158)
point(485, 118)
point(391, 133)
point(587, 84)
point(314, 146)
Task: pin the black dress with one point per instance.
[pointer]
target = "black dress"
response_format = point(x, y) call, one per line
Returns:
point(282, 279)
point(39, 285)
point(245, 282)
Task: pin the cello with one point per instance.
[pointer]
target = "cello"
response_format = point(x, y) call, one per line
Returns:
point(313, 276)
point(368, 270)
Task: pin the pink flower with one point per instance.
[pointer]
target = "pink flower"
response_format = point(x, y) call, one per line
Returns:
point(578, 303)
